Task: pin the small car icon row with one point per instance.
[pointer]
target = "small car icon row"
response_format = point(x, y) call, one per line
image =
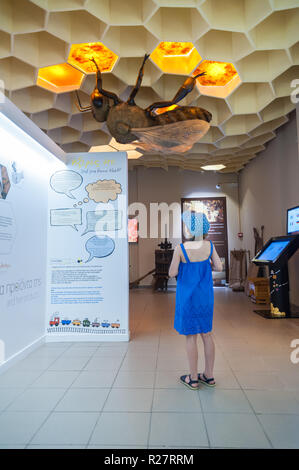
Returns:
point(85, 323)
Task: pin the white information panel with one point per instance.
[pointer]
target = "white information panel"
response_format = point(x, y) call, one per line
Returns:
point(24, 166)
point(87, 271)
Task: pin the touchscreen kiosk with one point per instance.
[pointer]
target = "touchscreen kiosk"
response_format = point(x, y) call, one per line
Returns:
point(271, 252)
point(275, 254)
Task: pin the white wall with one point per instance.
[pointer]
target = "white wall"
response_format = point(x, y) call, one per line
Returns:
point(269, 185)
point(23, 235)
point(158, 185)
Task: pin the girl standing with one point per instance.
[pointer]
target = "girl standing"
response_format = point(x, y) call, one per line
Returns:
point(191, 264)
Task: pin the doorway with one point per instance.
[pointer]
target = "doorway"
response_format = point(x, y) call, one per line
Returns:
point(215, 210)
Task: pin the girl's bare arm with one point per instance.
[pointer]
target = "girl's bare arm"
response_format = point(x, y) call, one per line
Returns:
point(216, 261)
point(174, 266)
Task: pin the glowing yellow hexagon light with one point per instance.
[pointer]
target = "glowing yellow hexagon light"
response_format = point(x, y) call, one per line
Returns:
point(220, 78)
point(81, 54)
point(176, 57)
point(59, 78)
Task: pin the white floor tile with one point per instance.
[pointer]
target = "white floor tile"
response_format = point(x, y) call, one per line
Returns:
point(94, 379)
point(259, 380)
point(178, 429)
point(282, 430)
point(225, 380)
point(119, 429)
point(8, 395)
point(139, 363)
point(126, 399)
point(66, 429)
point(103, 363)
point(65, 363)
point(273, 401)
point(235, 430)
point(79, 352)
point(37, 399)
point(83, 399)
point(110, 352)
point(38, 363)
point(19, 427)
point(215, 400)
point(168, 379)
point(13, 378)
point(183, 400)
point(133, 379)
point(55, 379)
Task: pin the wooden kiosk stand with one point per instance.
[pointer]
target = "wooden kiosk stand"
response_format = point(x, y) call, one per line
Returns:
point(275, 254)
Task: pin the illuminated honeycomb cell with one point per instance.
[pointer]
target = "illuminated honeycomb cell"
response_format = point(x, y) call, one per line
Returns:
point(220, 78)
point(176, 57)
point(59, 78)
point(81, 56)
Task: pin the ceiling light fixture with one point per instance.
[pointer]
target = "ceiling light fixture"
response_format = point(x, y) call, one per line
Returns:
point(213, 167)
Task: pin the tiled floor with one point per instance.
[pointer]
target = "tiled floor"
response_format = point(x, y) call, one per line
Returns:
point(127, 395)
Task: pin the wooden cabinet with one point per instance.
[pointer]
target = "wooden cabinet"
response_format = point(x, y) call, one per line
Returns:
point(162, 262)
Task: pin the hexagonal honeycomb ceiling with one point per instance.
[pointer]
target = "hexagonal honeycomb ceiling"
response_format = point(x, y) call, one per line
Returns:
point(248, 48)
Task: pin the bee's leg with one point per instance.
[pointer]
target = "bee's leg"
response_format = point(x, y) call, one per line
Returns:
point(138, 82)
point(186, 88)
point(106, 93)
point(82, 109)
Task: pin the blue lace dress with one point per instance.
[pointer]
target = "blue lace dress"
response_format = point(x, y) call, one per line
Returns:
point(194, 296)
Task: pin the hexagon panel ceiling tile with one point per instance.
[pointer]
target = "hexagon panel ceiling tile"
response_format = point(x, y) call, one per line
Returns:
point(255, 42)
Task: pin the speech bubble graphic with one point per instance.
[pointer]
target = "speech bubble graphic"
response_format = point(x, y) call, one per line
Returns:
point(66, 217)
point(105, 220)
point(7, 227)
point(65, 181)
point(103, 190)
point(99, 247)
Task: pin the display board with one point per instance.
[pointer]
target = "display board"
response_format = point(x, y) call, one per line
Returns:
point(215, 210)
point(88, 249)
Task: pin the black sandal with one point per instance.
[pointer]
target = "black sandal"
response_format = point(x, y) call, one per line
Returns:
point(189, 384)
point(206, 381)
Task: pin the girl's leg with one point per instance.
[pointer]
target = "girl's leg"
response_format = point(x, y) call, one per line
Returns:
point(209, 349)
point(192, 353)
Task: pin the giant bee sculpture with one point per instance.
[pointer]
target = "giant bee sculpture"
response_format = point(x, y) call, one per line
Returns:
point(173, 131)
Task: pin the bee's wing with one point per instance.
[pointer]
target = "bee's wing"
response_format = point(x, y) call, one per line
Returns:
point(177, 137)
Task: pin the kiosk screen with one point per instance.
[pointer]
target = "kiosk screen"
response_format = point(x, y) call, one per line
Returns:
point(273, 250)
